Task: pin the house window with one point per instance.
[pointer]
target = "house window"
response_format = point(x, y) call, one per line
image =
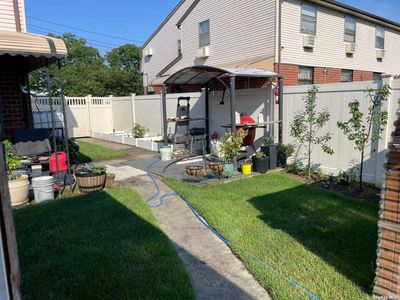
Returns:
point(306, 75)
point(350, 29)
point(376, 76)
point(179, 46)
point(380, 37)
point(308, 19)
point(204, 33)
point(347, 76)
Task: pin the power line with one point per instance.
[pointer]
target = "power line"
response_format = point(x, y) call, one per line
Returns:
point(59, 32)
point(90, 43)
point(84, 30)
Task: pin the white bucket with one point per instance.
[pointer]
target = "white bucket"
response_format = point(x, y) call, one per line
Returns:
point(166, 153)
point(43, 188)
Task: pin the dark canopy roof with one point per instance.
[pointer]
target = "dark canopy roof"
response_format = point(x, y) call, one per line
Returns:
point(203, 74)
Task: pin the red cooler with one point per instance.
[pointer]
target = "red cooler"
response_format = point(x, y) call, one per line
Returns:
point(62, 162)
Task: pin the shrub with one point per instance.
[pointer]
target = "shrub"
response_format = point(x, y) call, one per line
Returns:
point(139, 131)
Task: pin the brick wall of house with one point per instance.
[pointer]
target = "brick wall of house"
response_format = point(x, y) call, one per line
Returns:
point(321, 75)
point(15, 106)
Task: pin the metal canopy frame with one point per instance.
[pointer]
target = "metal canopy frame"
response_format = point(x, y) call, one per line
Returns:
point(203, 75)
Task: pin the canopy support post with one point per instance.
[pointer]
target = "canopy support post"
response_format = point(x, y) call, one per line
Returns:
point(52, 118)
point(280, 124)
point(232, 96)
point(207, 118)
point(66, 134)
point(164, 113)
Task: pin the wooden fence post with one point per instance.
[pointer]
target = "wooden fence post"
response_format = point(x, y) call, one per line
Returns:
point(8, 234)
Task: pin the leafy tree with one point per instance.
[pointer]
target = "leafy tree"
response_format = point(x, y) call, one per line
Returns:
point(85, 71)
point(306, 126)
point(363, 131)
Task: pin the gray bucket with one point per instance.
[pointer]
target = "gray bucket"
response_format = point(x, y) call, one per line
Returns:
point(43, 188)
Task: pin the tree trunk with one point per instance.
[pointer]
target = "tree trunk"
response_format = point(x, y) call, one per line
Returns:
point(361, 171)
point(309, 161)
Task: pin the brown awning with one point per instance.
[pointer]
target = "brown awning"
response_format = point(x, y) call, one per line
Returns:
point(28, 44)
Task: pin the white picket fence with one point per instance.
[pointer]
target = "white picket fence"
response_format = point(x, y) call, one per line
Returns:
point(102, 116)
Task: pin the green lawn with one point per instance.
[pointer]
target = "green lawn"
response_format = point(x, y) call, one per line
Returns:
point(104, 245)
point(90, 152)
point(324, 241)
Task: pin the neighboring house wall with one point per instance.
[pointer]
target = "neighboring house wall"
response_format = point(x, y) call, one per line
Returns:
point(241, 31)
point(7, 16)
point(245, 31)
point(330, 46)
point(164, 45)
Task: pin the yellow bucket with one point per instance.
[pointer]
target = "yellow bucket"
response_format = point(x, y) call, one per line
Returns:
point(246, 169)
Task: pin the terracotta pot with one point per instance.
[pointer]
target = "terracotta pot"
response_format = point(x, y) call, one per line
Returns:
point(216, 167)
point(90, 182)
point(19, 190)
point(195, 171)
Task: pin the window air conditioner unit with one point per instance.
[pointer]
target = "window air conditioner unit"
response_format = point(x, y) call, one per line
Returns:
point(308, 41)
point(203, 52)
point(380, 53)
point(350, 48)
point(148, 52)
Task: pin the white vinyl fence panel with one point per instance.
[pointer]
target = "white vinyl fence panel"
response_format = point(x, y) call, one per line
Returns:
point(335, 98)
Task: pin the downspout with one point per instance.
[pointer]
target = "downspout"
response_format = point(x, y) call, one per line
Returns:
point(164, 113)
point(17, 16)
point(280, 125)
point(279, 36)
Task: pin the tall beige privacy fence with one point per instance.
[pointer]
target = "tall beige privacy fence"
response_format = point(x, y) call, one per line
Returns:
point(87, 116)
point(101, 116)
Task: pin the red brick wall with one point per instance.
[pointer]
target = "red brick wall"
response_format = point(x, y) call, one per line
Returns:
point(16, 107)
point(327, 75)
point(321, 75)
point(362, 75)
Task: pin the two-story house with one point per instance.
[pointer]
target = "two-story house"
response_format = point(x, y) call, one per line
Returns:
point(308, 42)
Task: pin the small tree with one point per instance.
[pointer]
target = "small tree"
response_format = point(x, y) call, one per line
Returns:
point(306, 126)
point(365, 131)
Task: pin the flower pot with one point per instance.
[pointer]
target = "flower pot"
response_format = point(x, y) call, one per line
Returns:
point(246, 169)
point(272, 152)
point(217, 167)
point(229, 169)
point(19, 190)
point(90, 182)
point(195, 171)
point(261, 165)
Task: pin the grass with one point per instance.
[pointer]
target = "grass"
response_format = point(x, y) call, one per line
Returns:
point(104, 245)
point(91, 152)
point(324, 241)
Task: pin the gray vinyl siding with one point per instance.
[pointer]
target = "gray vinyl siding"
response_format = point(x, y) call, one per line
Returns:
point(240, 30)
point(330, 45)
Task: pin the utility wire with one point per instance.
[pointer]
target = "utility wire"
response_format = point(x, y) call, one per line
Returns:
point(84, 30)
point(43, 29)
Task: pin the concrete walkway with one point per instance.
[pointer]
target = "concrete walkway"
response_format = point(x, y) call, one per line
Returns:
point(214, 270)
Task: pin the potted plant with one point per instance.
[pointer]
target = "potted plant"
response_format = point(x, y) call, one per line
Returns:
point(270, 150)
point(230, 146)
point(18, 184)
point(260, 162)
point(91, 178)
point(284, 152)
point(247, 166)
